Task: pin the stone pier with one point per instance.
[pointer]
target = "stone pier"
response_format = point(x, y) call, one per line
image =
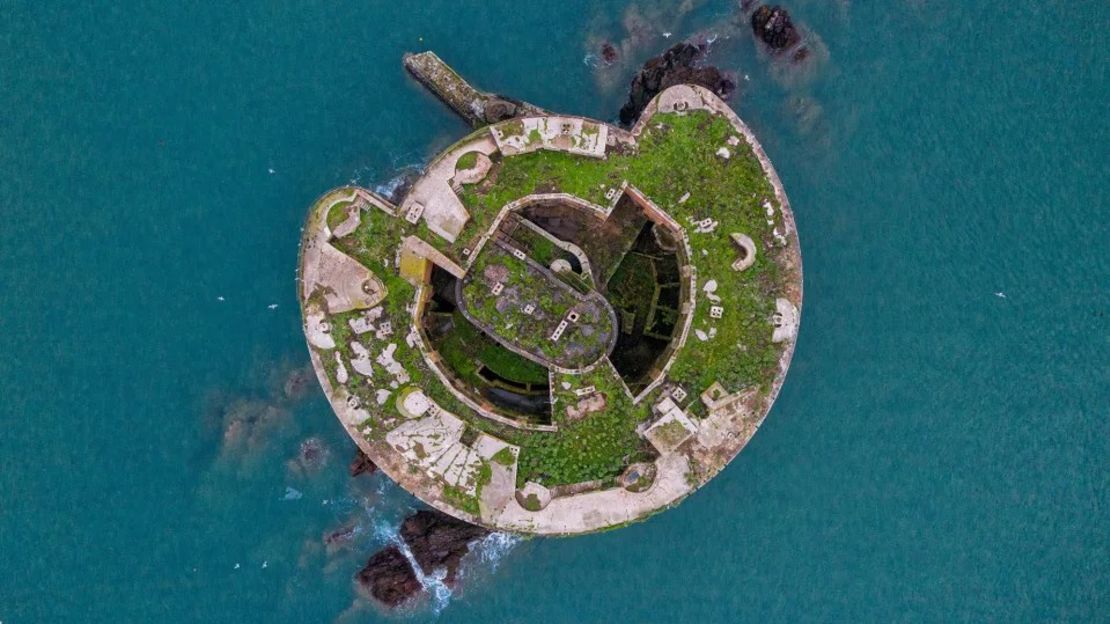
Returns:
point(476, 107)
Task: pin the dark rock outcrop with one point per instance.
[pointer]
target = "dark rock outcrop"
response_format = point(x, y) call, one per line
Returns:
point(772, 25)
point(435, 540)
point(675, 66)
point(388, 577)
point(439, 541)
point(397, 188)
point(362, 464)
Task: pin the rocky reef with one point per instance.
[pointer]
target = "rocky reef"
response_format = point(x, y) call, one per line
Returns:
point(388, 577)
point(311, 457)
point(797, 53)
point(772, 25)
point(435, 540)
point(438, 541)
point(678, 65)
point(362, 464)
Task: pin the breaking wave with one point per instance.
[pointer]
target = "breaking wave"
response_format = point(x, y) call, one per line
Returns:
point(492, 549)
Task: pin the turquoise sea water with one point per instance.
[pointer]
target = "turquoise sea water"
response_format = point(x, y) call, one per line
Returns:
point(938, 453)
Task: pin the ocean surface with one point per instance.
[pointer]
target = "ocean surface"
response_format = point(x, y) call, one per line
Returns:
point(940, 450)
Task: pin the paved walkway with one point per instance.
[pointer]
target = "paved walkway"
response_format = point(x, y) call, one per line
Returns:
point(595, 510)
point(432, 193)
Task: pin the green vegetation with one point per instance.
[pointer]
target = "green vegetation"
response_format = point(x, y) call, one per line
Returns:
point(543, 250)
point(504, 457)
point(459, 498)
point(466, 349)
point(466, 161)
point(531, 502)
point(671, 433)
point(633, 287)
point(485, 475)
point(524, 284)
point(672, 160)
point(512, 127)
point(337, 214)
point(597, 446)
point(679, 158)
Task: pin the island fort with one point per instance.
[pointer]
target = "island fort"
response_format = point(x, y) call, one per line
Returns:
point(562, 326)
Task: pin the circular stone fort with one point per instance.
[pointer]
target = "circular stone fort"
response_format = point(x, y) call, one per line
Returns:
point(563, 326)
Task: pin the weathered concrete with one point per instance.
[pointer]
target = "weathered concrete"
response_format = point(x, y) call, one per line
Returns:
point(345, 284)
point(421, 248)
point(575, 135)
point(719, 437)
point(588, 304)
point(433, 196)
point(591, 511)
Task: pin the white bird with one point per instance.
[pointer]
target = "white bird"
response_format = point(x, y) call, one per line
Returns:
point(220, 298)
point(271, 170)
point(1000, 295)
point(272, 306)
point(237, 566)
point(265, 564)
point(666, 35)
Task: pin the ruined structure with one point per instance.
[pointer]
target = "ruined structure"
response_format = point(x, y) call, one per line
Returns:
point(563, 326)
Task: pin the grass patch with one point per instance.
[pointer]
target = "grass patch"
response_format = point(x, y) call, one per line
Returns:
point(503, 314)
point(466, 349)
point(531, 502)
point(466, 161)
point(459, 498)
point(504, 457)
point(337, 214)
point(598, 446)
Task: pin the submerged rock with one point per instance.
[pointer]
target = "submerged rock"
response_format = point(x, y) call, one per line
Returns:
point(675, 66)
point(251, 424)
point(609, 54)
point(362, 464)
point(439, 541)
point(313, 455)
point(388, 577)
point(772, 25)
point(342, 537)
point(298, 383)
